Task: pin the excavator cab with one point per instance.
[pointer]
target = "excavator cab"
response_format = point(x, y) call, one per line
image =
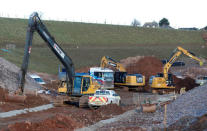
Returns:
point(120, 77)
point(83, 85)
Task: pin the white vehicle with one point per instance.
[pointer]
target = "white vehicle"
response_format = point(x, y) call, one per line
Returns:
point(37, 79)
point(201, 80)
point(104, 97)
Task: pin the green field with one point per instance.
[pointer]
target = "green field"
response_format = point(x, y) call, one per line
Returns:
point(87, 43)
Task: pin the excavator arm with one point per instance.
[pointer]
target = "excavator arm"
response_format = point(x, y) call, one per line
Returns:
point(109, 61)
point(176, 53)
point(35, 24)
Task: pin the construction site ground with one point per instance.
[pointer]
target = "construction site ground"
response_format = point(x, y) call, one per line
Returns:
point(187, 112)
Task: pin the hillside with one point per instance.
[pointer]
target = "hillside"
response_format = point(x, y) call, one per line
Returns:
point(87, 43)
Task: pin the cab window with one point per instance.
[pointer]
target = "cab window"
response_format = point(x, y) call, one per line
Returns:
point(86, 83)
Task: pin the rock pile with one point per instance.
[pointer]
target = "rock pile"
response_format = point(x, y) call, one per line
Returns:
point(9, 74)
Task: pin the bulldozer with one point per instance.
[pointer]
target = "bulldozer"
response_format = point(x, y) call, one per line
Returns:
point(121, 77)
point(76, 87)
point(164, 81)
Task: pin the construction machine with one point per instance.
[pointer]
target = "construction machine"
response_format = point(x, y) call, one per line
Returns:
point(76, 87)
point(165, 80)
point(121, 78)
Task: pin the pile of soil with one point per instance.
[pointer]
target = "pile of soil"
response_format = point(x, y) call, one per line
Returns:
point(3, 92)
point(110, 109)
point(93, 116)
point(33, 100)
point(146, 66)
point(58, 122)
point(188, 83)
point(52, 85)
point(83, 70)
point(30, 101)
point(130, 60)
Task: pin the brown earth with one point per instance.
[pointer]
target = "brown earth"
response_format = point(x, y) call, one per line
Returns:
point(66, 118)
point(187, 82)
point(93, 116)
point(3, 92)
point(30, 101)
point(71, 117)
point(58, 122)
point(83, 70)
point(35, 100)
point(52, 85)
point(147, 66)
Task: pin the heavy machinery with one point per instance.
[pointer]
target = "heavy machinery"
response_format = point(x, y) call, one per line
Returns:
point(103, 76)
point(164, 80)
point(121, 78)
point(77, 87)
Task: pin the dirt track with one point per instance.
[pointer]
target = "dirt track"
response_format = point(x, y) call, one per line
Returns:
point(59, 117)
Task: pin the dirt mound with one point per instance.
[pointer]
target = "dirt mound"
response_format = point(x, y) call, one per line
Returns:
point(110, 109)
point(3, 92)
point(58, 122)
point(93, 116)
point(52, 85)
point(83, 70)
point(130, 60)
point(188, 83)
point(146, 66)
point(33, 100)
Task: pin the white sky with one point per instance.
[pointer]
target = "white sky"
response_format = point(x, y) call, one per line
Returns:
point(180, 13)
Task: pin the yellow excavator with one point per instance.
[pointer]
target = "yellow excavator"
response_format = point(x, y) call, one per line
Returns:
point(76, 87)
point(164, 80)
point(121, 78)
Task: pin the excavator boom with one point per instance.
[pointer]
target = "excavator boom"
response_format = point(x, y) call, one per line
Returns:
point(35, 24)
point(176, 53)
point(164, 81)
point(109, 61)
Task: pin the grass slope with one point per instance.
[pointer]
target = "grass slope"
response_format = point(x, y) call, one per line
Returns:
point(87, 43)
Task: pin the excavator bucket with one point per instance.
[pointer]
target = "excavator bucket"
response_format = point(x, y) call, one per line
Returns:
point(149, 108)
point(15, 98)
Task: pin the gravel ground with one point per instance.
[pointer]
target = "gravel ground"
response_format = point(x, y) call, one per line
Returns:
point(9, 77)
point(193, 103)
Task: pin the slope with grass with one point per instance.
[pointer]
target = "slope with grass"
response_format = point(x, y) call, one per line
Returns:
point(87, 43)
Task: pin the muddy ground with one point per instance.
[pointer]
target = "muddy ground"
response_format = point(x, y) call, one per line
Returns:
point(59, 117)
point(71, 117)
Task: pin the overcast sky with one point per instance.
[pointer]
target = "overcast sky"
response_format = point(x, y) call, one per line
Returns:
point(180, 13)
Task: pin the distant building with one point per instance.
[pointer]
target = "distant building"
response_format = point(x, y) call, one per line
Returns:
point(166, 27)
point(153, 24)
point(190, 29)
